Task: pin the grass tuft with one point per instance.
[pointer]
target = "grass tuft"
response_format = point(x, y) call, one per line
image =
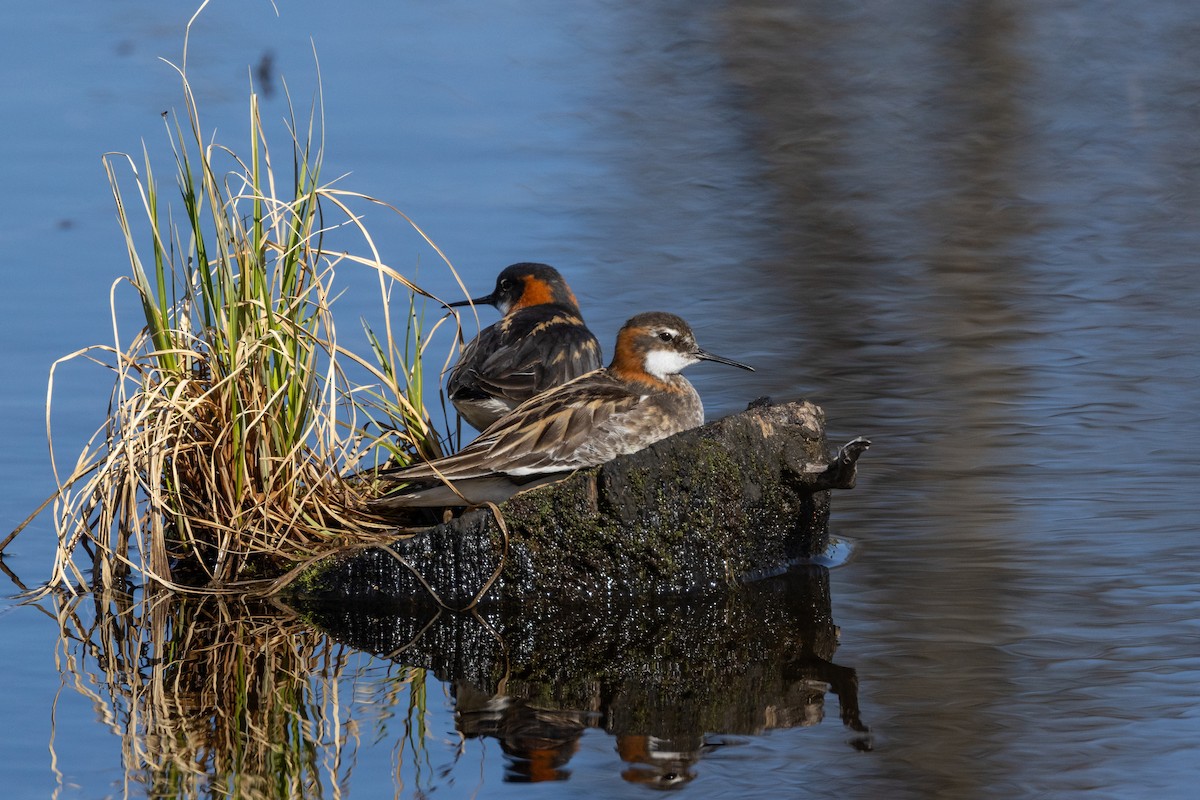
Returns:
point(237, 435)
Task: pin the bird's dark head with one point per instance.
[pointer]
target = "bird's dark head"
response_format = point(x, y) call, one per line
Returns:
point(524, 285)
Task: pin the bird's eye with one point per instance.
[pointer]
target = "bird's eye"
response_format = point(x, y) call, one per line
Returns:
point(665, 336)
point(506, 284)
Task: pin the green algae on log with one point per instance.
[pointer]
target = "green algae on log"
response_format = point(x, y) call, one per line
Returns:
point(742, 497)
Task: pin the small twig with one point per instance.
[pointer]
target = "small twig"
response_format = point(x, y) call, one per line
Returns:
point(495, 509)
point(8, 539)
point(487, 584)
point(392, 656)
point(12, 576)
point(417, 574)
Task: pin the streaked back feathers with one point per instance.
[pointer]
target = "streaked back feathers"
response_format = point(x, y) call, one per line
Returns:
point(592, 419)
point(540, 343)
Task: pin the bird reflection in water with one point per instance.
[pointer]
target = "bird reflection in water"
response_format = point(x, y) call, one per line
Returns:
point(680, 675)
point(657, 763)
point(538, 742)
point(666, 677)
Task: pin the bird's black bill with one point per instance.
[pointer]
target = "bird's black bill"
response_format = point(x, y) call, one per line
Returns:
point(479, 301)
point(704, 356)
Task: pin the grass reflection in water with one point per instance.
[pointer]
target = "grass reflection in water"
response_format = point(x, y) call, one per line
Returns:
point(214, 697)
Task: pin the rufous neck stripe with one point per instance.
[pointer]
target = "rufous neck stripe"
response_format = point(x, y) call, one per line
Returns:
point(538, 292)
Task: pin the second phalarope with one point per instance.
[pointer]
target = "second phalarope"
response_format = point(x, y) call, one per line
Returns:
point(635, 401)
point(541, 342)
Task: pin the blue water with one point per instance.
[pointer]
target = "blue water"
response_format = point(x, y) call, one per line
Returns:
point(968, 232)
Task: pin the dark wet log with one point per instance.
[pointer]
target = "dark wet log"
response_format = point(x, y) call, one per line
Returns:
point(741, 497)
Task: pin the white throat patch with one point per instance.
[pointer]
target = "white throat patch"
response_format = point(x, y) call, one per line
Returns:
point(662, 364)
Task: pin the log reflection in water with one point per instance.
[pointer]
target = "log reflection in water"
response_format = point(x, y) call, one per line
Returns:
point(660, 675)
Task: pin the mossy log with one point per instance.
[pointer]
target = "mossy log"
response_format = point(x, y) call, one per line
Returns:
point(742, 497)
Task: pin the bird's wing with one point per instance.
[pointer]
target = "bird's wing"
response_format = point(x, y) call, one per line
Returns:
point(461, 379)
point(548, 433)
point(524, 358)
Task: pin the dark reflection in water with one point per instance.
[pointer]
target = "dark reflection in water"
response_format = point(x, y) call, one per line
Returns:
point(661, 676)
point(913, 303)
point(228, 697)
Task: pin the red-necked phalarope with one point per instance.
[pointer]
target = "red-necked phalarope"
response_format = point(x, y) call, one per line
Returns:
point(635, 401)
point(540, 343)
